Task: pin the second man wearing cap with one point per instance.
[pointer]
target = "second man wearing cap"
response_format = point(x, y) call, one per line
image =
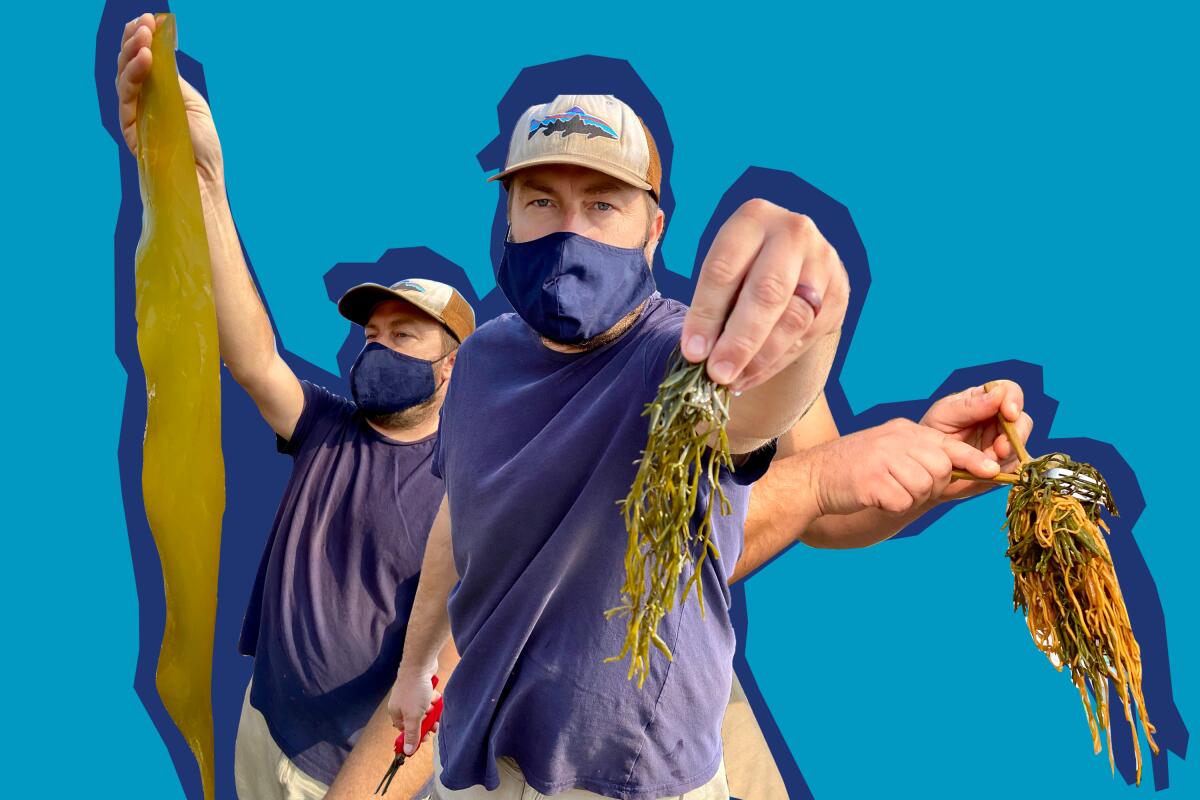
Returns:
point(326, 616)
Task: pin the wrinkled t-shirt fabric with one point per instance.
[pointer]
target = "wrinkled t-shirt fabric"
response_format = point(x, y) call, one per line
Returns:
point(536, 448)
point(335, 586)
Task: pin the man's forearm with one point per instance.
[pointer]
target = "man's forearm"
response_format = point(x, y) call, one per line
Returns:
point(860, 529)
point(770, 410)
point(787, 511)
point(429, 622)
point(375, 749)
point(243, 328)
point(784, 509)
point(781, 505)
point(369, 759)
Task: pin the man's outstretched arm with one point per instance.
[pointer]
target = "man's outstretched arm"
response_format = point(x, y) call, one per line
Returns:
point(243, 328)
point(854, 491)
point(782, 502)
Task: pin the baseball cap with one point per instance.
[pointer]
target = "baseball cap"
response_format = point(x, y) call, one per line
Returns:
point(439, 300)
point(589, 130)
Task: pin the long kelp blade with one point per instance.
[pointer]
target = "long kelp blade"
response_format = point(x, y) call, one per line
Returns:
point(183, 475)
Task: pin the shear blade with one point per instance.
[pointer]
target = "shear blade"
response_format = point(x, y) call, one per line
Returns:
point(387, 777)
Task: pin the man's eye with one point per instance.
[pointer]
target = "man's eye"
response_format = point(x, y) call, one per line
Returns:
point(542, 202)
point(603, 206)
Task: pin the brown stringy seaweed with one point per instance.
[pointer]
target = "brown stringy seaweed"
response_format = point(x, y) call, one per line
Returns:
point(1065, 583)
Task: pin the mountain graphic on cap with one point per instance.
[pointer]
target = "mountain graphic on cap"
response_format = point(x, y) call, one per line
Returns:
point(574, 120)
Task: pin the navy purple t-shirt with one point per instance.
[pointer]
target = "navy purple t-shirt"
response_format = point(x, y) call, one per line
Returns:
point(327, 614)
point(536, 447)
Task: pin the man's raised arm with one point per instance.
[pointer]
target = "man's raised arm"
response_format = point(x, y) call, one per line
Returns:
point(243, 328)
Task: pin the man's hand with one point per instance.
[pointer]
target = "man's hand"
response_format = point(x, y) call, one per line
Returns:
point(970, 416)
point(411, 698)
point(770, 286)
point(895, 467)
point(133, 65)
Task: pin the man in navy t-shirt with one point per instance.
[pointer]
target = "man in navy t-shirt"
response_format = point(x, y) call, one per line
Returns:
point(325, 622)
point(326, 617)
point(327, 613)
point(540, 431)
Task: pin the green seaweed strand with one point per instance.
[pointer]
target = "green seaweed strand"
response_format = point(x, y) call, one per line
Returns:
point(676, 466)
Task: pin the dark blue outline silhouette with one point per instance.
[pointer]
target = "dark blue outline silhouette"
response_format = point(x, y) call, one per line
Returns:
point(256, 475)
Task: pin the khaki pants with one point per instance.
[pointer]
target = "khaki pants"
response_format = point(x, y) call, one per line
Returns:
point(750, 767)
point(263, 772)
point(260, 769)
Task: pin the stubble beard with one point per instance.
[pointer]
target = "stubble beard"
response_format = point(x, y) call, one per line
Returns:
point(410, 417)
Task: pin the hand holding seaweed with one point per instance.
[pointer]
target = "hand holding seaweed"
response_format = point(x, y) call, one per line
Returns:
point(1064, 581)
point(183, 472)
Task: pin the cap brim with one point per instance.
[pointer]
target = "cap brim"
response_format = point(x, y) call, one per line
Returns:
point(359, 301)
point(620, 173)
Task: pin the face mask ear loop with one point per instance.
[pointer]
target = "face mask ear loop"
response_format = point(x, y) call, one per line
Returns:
point(442, 357)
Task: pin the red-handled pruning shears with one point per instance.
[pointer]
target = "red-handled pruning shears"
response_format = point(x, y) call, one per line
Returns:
point(431, 718)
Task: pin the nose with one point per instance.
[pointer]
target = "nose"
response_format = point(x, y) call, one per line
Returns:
point(574, 220)
point(571, 220)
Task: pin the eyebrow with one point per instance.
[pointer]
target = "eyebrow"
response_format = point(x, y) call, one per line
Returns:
point(605, 187)
point(608, 187)
point(392, 324)
point(529, 186)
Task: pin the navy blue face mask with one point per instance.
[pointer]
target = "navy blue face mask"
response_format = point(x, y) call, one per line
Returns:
point(385, 382)
point(570, 288)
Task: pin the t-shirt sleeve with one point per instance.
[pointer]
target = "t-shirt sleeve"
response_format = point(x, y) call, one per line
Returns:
point(661, 344)
point(451, 405)
point(320, 405)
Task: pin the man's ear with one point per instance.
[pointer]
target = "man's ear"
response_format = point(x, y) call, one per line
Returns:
point(448, 364)
point(654, 235)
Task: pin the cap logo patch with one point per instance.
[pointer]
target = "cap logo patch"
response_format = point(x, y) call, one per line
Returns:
point(410, 286)
point(574, 120)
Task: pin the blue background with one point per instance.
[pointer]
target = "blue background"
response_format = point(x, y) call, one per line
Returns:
point(1016, 175)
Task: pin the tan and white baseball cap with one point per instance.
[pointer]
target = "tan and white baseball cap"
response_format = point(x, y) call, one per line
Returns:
point(589, 130)
point(439, 300)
